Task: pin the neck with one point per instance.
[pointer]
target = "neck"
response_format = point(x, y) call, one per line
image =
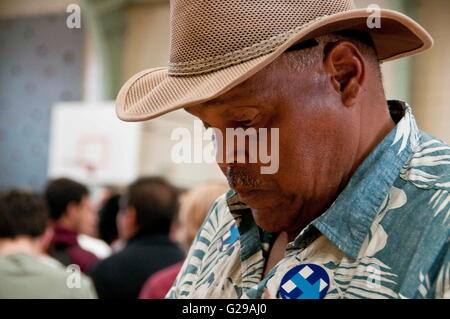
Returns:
point(372, 131)
point(65, 223)
point(21, 244)
point(312, 209)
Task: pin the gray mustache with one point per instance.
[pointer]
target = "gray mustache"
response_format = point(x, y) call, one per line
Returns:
point(239, 177)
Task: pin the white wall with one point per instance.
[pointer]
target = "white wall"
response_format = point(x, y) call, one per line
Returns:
point(146, 46)
point(431, 85)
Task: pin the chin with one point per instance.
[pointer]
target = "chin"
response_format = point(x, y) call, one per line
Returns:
point(270, 212)
point(268, 220)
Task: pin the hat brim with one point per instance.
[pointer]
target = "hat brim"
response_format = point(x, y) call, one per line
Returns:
point(152, 93)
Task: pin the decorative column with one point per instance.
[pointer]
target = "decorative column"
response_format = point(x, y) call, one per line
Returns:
point(431, 82)
point(107, 23)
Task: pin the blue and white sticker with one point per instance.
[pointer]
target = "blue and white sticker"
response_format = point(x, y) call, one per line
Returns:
point(308, 281)
point(229, 238)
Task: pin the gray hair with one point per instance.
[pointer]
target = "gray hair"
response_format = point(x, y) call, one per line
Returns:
point(305, 59)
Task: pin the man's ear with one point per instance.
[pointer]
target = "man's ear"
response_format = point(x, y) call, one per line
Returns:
point(127, 222)
point(130, 218)
point(131, 215)
point(72, 211)
point(46, 238)
point(346, 65)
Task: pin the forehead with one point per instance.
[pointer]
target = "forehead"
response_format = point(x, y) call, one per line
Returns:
point(250, 91)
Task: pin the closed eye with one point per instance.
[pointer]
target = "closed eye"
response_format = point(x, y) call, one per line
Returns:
point(245, 123)
point(249, 122)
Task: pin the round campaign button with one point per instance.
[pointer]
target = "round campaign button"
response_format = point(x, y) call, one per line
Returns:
point(308, 281)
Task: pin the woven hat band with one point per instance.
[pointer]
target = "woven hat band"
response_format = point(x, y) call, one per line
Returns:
point(208, 35)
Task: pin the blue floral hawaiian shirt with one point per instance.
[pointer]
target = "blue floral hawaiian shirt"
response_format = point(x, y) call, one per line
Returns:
point(385, 236)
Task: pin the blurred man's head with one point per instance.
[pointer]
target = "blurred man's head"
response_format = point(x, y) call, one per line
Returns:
point(107, 226)
point(23, 220)
point(147, 208)
point(70, 206)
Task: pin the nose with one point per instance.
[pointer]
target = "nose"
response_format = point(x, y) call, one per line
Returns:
point(233, 151)
point(231, 156)
point(226, 165)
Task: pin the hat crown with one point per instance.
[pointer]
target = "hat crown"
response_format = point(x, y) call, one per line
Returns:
point(207, 35)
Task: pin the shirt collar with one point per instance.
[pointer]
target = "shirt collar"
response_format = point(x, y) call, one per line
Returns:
point(347, 222)
point(64, 235)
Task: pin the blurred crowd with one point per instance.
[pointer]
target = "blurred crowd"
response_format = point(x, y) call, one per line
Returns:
point(130, 244)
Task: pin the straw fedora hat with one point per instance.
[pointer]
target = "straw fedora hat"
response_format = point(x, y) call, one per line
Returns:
point(217, 44)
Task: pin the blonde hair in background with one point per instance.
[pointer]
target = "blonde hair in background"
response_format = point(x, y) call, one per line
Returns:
point(194, 207)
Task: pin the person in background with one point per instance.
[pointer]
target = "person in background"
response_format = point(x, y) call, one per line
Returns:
point(107, 226)
point(25, 271)
point(143, 221)
point(194, 208)
point(70, 209)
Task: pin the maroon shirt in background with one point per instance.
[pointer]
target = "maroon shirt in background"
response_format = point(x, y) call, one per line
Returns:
point(66, 249)
point(159, 284)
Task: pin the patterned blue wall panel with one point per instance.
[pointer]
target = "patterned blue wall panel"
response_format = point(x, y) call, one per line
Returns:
point(40, 64)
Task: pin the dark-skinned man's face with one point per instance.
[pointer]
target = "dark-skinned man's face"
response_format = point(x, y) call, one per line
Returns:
point(316, 141)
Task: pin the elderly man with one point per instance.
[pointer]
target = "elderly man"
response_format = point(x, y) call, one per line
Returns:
point(360, 204)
